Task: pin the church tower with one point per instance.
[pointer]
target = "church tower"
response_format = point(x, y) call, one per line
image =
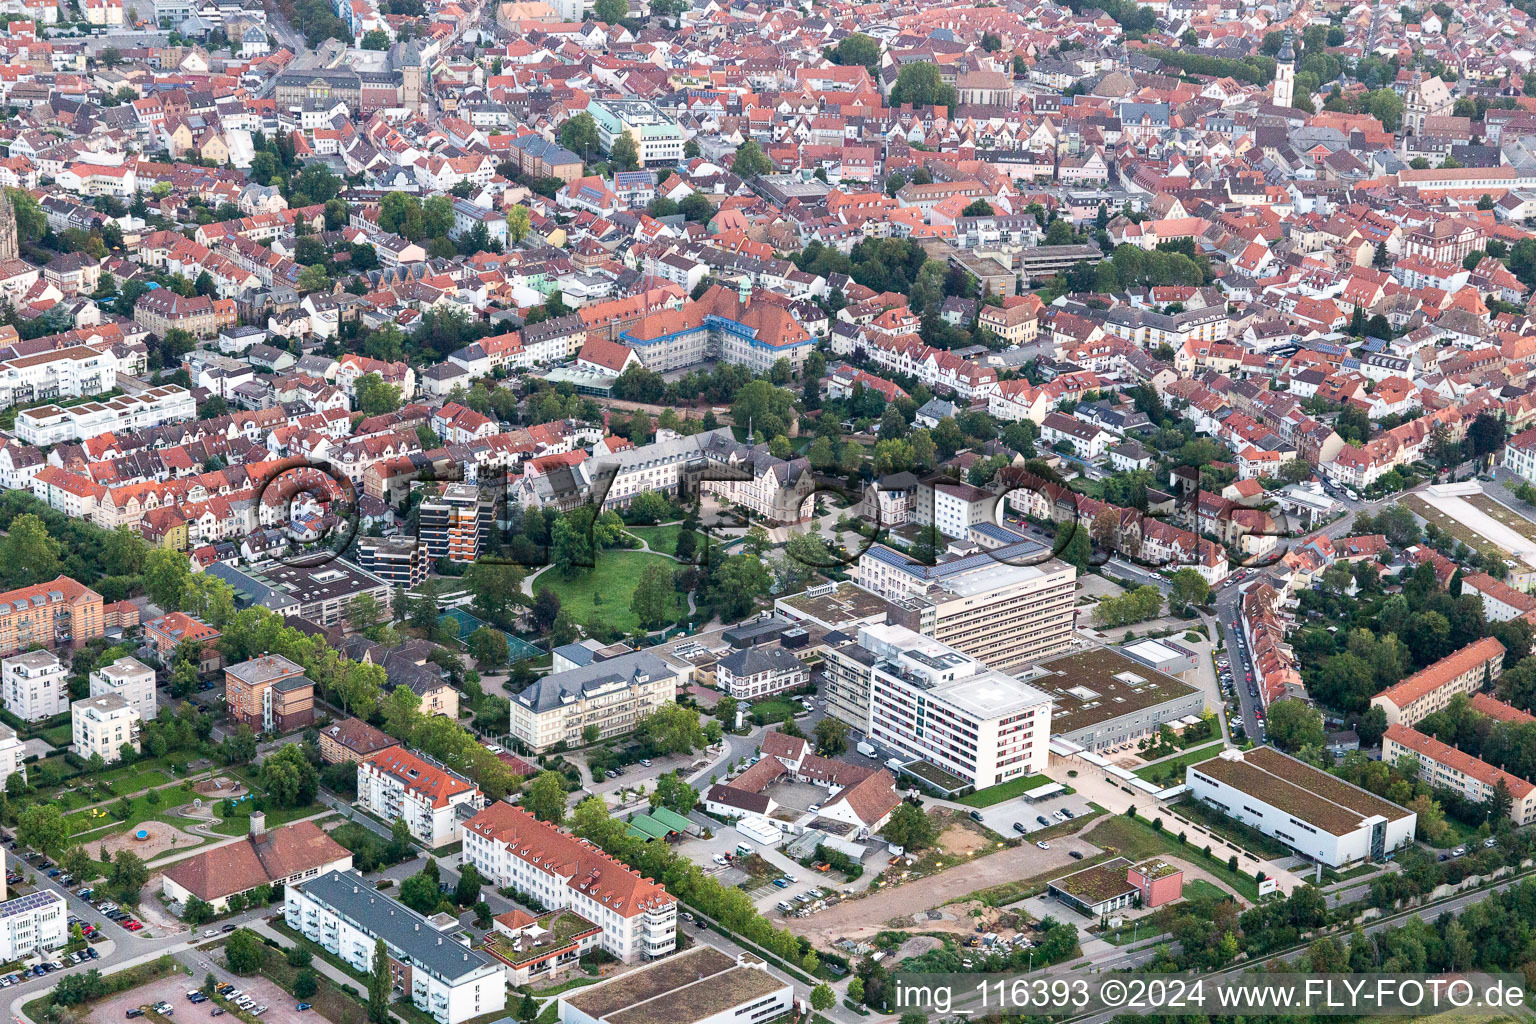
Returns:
point(1285, 73)
point(8, 246)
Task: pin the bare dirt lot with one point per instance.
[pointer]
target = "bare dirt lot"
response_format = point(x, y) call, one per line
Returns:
point(162, 838)
point(861, 918)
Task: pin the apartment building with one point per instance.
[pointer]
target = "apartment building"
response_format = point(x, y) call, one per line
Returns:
point(1431, 688)
point(610, 696)
point(51, 424)
point(32, 923)
point(1446, 767)
point(1501, 602)
point(925, 700)
point(513, 849)
point(12, 761)
point(104, 725)
point(269, 694)
point(163, 310)
point(399, 561)
point(454, 523)
point(319, 595)
point(352, 740)
point(1006, 607)
point(61, 613)
point(658, 140)
point(166, 633)
point(34, 686)
point(395, 783)
point(346, 915)
point(1318, 815)
point(64, 373)
point(131, 680)
point(952, 507)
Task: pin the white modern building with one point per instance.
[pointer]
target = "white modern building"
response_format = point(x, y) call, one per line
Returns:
point(32, 923)
point(12, 761)
point(102, 725)
point(1318, 815)
point(512, 848)
point(130, 679)
point(346, 915)
point(34, 685)
point(395, 783)
point(52, 424)
point(1008, 605)
point(924, 700)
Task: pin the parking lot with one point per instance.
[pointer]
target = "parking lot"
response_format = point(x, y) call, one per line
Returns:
point(1001, 817)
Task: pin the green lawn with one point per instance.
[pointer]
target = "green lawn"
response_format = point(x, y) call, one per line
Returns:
point(1172, 771)
point(58, 736)
point(1199, 888)
point(1233, 831)
point(1006, 791)
point(606, 589)
point(1136, 839)
point(660, 538)
point(239, 824)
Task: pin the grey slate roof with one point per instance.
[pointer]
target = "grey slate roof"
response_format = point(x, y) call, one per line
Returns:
point(565, 687)
point(355, 898)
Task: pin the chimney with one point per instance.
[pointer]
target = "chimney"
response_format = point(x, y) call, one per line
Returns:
point(258, 827)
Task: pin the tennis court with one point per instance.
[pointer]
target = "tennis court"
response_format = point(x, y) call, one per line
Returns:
point(468, 622)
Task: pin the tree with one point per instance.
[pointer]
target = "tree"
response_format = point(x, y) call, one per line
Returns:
point(921, 85)
point(519, 223)
point(579, 135)
point(1293, 724)
point(978, 208)
point(313, 278)
point(374, 396)
point(402, 710)
point(28, 554)
point(31, 222)
point(378, 985)
point(467, 892)
point(610, 11)
point(376, 39)
point(306, 983)
point(42, 827)
point(544, 797)
point(77, 863)
point(288, 777)
point(750, 160)
point(420, 892)
point(1371, 726)
point(488, 647)
point(910, 827)
point(1189, 588)
point(670, 729)
point(244, 952)
point(766, 409)
point(673, 793)
point(858, 48)
point(831, 737)
point(624, 154)
point(654, 598)
point(822, 997)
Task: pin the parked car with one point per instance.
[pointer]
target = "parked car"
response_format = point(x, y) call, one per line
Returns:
point(301, 1007)
point(781, 883)
point(1043, 844)
point(135, 1011)
point(1042, 819)
point(1019, 827)
point(976, 816)
point(227, 928)
point(1075, 854)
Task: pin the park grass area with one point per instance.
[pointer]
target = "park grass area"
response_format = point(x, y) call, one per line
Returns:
point(58, 736)
point(1235, 832)
point(239, 823)
point(660, 538)
point(125, 780)
point(1137, 840)
point(774, 710)
point(606, 589)
point(1004, 791)
point(1503, 514)
point(1200, 889)
point(1453, 527)
point(107, 820)
point(1173, 769)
